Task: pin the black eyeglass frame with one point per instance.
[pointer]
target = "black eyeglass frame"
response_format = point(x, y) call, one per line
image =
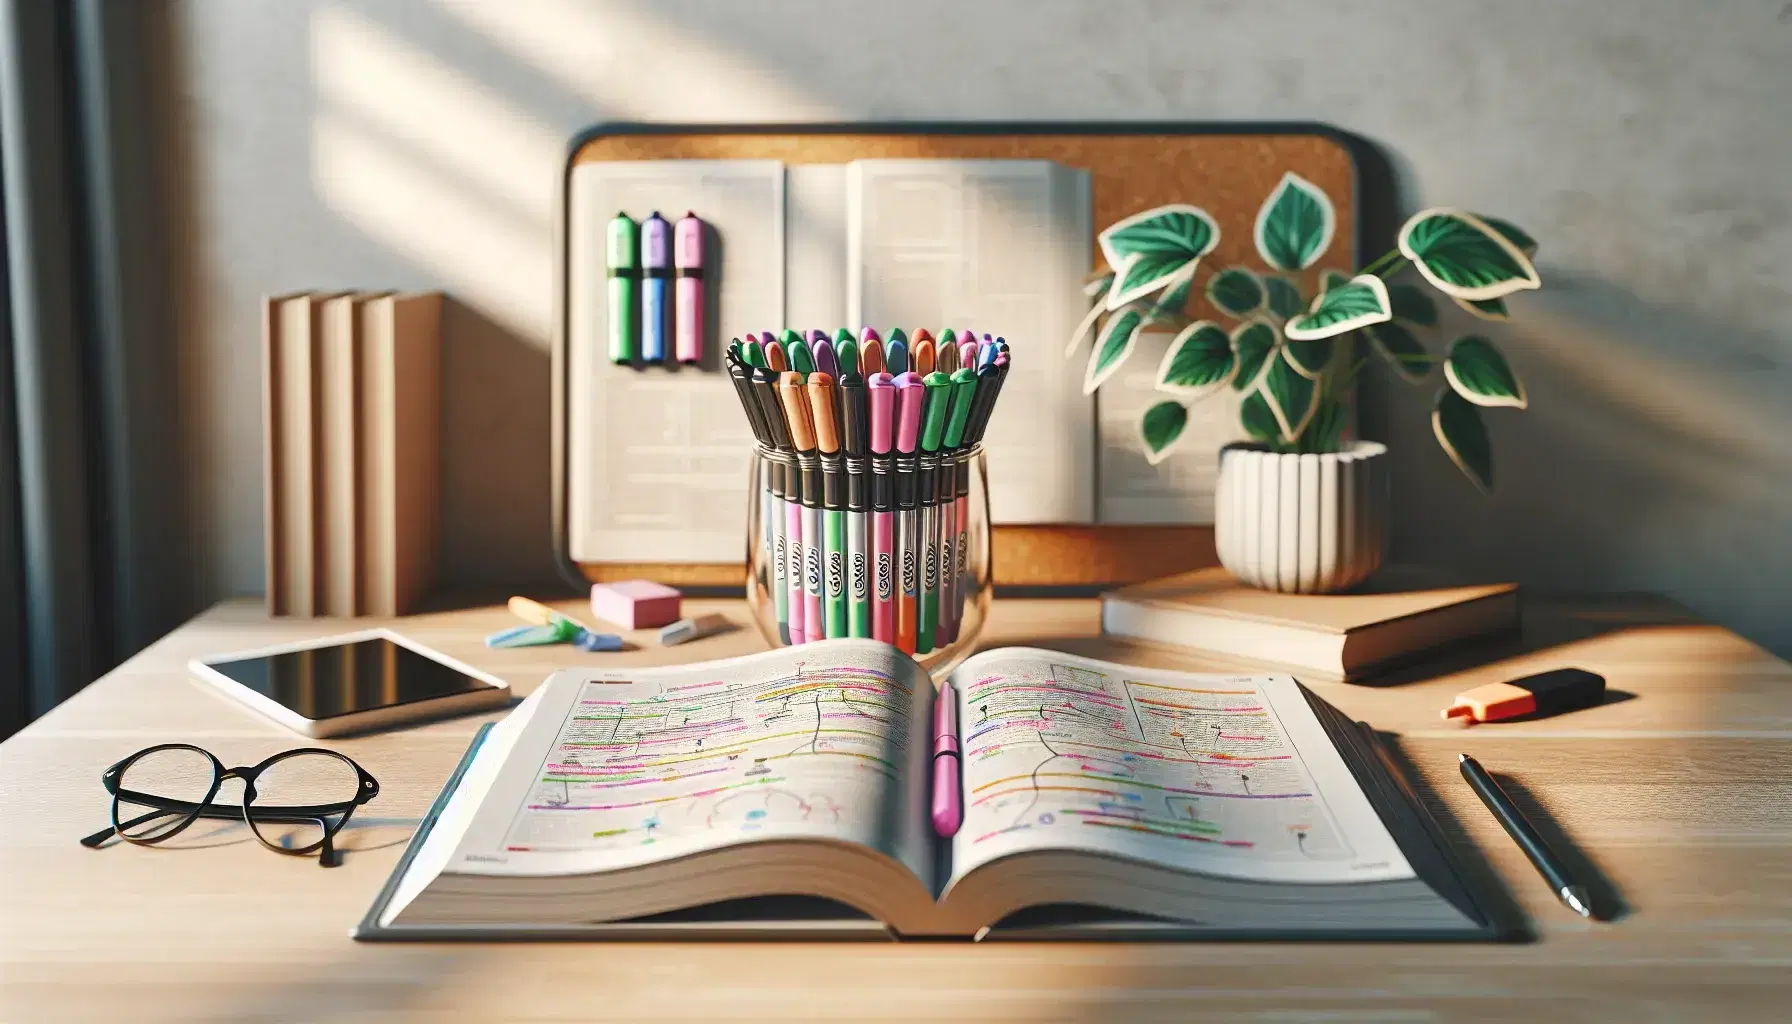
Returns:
point(367, 787)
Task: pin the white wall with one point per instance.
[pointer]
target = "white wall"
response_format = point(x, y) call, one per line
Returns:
point(416, 144)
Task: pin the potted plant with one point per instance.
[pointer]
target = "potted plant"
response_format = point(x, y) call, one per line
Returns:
point(1302, 507)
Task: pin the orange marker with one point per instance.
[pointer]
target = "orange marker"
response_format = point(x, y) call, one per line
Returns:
point(923, 353)
point(1547, 693)
point(871, 356)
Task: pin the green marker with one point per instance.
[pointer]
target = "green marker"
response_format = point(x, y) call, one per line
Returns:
point(896, 334)
point(934, 401)
point(752, 354)
point(846, 352)
point(622, 257)
point(964, 389)
point(797, 351)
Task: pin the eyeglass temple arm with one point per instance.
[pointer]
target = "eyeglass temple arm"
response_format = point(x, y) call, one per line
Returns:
point(230, 814)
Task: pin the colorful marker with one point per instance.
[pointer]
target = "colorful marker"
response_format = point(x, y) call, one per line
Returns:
point(687, 258)
point(781, 495)
point(881, 389)
point(923, 352)
point(871, 356)
point(908, 525)
point(936, 395)
point(621, 252)
point(803, 517)
point(948, 356)
point(954, 503)
point(825, 360)
point(846, 351)
point(656, 280)
point(967, 354)
point(823, 401)
point(802, 360)
point(855, 426)
point(751, 353)
point(896, 355)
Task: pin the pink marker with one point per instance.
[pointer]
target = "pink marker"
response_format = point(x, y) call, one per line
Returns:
point(909, 391)
point(967, 354)
point(882, 390)
point(868, 334)
point(687, 261)
point(948, 798)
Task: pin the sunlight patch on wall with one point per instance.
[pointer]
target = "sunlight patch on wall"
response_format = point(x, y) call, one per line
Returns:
point(492, 260)
point(427, 162)
point(638, 66)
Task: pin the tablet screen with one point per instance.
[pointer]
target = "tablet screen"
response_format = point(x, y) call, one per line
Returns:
point(343, 679)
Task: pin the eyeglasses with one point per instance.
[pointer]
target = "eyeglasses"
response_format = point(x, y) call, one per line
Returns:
point(295, 802)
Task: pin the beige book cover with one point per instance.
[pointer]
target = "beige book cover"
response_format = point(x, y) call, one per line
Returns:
point(290, 347)
point(339, 477)
point(1400, 612)
point(401, 436)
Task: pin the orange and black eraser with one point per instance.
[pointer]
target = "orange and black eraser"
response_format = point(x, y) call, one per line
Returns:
point(1546, 693)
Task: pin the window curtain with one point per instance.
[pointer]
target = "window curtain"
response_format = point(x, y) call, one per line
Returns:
point(92, 543)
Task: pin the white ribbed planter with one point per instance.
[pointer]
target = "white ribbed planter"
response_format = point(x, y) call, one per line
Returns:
point(1302, 524)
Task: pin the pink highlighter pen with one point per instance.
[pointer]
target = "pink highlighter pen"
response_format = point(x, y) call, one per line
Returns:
point(948, 799)
point(882, 390)
point(687, 261)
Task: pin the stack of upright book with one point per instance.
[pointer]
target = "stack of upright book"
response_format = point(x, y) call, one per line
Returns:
point(351, 408)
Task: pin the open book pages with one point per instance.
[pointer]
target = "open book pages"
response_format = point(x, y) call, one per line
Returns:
point(616, 795)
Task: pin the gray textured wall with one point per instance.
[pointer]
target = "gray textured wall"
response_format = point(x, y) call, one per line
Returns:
point(415, 144)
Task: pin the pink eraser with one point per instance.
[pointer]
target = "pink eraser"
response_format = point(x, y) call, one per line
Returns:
point(635, 604)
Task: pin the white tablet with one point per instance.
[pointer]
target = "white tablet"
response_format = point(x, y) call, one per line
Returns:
point(357, 682)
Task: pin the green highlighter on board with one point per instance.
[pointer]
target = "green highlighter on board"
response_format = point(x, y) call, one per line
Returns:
point(622, 250)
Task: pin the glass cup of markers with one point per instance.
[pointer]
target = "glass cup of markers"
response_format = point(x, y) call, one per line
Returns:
point(894, 547)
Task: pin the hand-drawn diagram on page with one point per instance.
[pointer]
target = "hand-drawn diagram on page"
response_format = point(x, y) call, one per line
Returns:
point(1059, 754)
point(642, 763)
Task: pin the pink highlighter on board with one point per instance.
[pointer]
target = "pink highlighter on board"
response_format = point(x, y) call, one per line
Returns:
point(687, 262)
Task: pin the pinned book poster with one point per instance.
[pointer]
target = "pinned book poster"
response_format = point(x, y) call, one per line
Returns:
point(961, 228)
point(351, 410)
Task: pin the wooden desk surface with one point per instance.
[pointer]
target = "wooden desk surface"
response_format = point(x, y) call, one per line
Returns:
point(1680, 795)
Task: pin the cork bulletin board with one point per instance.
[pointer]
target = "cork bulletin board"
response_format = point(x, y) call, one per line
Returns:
point(1131, 168)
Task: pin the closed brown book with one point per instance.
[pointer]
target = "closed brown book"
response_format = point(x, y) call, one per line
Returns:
point(400, 449)
point(1401, 613)
point(290, 351)
point(339, 471)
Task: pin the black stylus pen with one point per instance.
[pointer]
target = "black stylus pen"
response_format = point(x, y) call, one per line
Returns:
point(1514, 822)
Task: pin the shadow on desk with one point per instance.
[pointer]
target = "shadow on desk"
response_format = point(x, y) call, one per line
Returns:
point(1608, 903)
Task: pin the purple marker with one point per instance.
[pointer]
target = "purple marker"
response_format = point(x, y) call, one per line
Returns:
point(826, 361)
point(656, 271)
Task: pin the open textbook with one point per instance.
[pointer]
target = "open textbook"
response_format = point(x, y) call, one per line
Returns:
point(788, 792)
point(656, 460)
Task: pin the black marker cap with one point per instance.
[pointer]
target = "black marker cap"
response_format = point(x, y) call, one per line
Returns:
point(765, 390)
point(856, 413)
point(833, 475)
point(741, 375)
point(858, 477)
point(883, 484)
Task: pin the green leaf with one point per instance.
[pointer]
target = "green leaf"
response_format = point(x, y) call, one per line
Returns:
point(1144, 273)
point(1199, 360)
point(1404, 352)
point(1459, 429)
point(1172, 305)
point(1310, 358)
point(1253, 340)
point(1257, 419)
point(1147, 248)
point(1341, 309)
point(1512, 233)
point(1295, 224)
point(1085, 327)
point(1410, 303)
point(1486, 309)
point(1293, 398)
point(1332, 279)
point(1464, 257)
point(1161, 427)
point(1235, 291)
point(1096, 284)
point(1116, 342)
point(1283, 296)
point(1477, 372)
